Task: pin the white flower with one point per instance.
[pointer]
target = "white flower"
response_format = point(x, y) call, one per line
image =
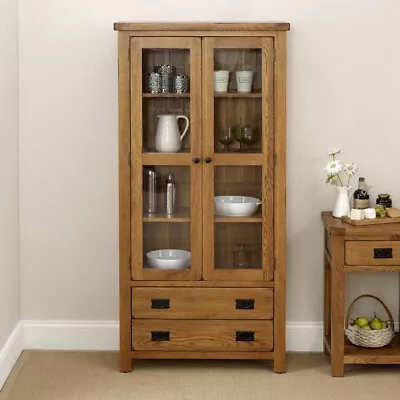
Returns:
point(350, 169)
point(334, 151)
point(333, 167)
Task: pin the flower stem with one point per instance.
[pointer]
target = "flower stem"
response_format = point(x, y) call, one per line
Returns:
point(348, 182)
point(341, 183)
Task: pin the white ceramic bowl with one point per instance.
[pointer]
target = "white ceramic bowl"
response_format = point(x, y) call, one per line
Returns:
point(169, 259)
point(236, 206)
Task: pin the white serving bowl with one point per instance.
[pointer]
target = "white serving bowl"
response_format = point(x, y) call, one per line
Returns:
point(169, 259)
point(236, 206)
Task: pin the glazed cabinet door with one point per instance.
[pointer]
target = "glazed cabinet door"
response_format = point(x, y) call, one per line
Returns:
point(238, 151)
point(166, 178)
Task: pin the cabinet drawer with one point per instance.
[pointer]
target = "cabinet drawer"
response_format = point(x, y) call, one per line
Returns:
point(373, 253)
point(206, 335)
point(202, 303)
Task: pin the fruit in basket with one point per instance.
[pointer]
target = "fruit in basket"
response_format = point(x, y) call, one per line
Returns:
point(357, 326)
point(366, 328)
point(362, 321)
point(383, 325)
point(376, 323)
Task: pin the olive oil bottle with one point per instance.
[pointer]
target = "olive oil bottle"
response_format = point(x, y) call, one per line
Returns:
point(361, 196)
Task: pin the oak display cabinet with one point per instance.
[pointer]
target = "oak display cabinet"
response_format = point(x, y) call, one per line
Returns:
point(215, 308)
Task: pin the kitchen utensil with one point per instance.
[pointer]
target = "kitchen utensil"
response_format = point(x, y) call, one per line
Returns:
point(168, 137)
point(168, 259)
point(244, 81)
point(241, 258)
point(181, 84)
point(167, 72)
point(153, 82)
point(221, 80)
point(225, 137)
point(149, 190)
point(235, 206)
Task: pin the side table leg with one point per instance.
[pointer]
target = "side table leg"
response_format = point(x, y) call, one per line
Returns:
point(327, 303)
point(337, 307)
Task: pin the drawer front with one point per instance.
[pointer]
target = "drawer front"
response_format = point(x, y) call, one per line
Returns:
point(207, 335)
point(202, 303)
point(373, 253)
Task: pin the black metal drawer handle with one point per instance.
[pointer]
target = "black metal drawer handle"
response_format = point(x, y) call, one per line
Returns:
point(160, 304)
point(383, 253)
point(244, 304)
point(160, 336)
point(245, 336)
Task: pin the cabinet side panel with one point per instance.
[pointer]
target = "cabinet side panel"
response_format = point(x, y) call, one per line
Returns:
point(124, 202)
point(268, 162)
point(280, 205)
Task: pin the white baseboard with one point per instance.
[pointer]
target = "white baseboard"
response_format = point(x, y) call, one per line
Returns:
point(304, 336)
point(104, 335)
point(10, 353)
point(71, 335)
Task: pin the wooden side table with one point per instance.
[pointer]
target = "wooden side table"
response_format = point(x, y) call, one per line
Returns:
point(373, 248)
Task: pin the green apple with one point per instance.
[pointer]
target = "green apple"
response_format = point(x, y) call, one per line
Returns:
point(366, 328)
point(383, 325)
point(362, 321)
point(357, 326)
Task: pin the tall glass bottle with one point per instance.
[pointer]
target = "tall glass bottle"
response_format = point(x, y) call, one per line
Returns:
point(361, 196)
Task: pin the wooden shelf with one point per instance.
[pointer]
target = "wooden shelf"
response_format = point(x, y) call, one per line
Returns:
point(257, 218)
point(362, 355)
point(180, 216)
point(372, 268)
point(385, 355)
point(166, 95)
point(238, 95)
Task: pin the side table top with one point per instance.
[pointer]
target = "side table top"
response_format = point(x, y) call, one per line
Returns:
point(335, 226)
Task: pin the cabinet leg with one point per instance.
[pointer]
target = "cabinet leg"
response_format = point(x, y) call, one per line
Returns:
point(280, 364)
point(337, 307)
point(125, 362)
point(327, 303)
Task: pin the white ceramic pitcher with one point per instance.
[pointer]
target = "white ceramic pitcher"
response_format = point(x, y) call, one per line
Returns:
point(168, 137)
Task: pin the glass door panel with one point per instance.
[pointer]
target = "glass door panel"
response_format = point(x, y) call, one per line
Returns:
point(238, 141)
point(165, 137)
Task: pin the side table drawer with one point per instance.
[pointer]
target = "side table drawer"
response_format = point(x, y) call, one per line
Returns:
point(372, 253)
point(202, 303)
point(206, 335)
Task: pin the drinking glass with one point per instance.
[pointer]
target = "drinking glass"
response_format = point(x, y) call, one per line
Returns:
point(241, 258)
point(248, 135)
point(226, 137)
point(237, 131)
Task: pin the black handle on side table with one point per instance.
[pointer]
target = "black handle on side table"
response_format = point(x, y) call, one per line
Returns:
point(244, 304)
point(245, 336)
point(207, 160)
point(160, 304)
point(196, 160)
point(160, 336)
point(383, 253)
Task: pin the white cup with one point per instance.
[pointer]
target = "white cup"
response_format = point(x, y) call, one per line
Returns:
point(221, 80)
point(244, 81)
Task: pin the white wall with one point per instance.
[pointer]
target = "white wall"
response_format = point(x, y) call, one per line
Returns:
point(343, 90)
point(9, 268)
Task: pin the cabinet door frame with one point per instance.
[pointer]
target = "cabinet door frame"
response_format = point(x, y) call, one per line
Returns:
point(140, 159)
point(264, 159)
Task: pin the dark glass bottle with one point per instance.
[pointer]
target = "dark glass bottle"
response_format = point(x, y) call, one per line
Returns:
point(361, 196)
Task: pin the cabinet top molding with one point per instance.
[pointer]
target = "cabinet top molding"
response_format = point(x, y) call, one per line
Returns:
point(202, 26)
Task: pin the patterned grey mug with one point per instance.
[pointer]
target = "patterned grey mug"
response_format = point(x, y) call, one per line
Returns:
point(153, 82)
point(167, 73)
point(181, 84)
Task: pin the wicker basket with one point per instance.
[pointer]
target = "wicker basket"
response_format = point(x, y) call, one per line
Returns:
point(372, 338)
